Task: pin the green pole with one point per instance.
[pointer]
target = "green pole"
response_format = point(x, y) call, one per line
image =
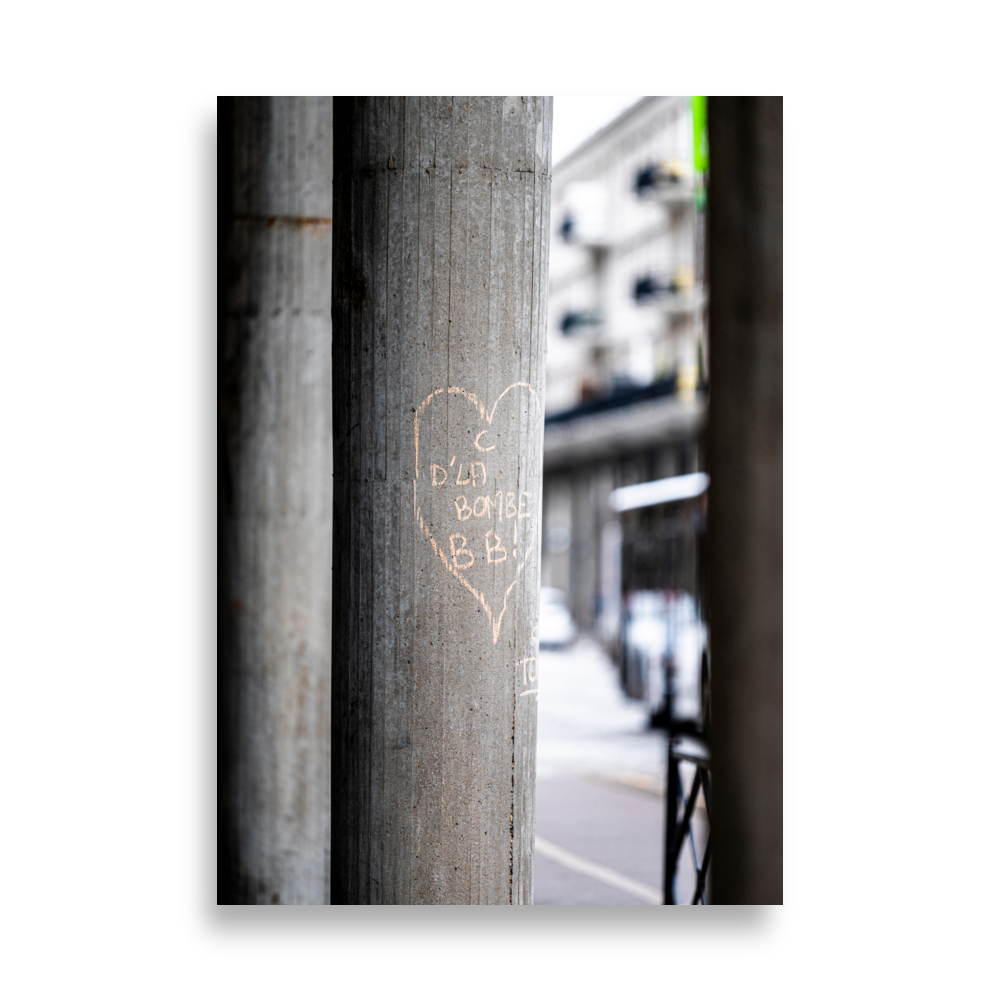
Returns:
point(699, 120)
point(699, 115)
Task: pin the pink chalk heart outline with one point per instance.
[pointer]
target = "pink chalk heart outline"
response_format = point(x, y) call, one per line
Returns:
point(452, 564)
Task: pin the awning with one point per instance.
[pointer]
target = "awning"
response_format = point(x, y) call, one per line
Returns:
point(658, 491)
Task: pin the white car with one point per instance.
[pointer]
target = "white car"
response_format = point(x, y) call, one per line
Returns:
point(663, 632)
point(555, 624)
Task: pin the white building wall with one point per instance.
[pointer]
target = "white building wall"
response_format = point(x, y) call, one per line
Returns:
point(639, 236)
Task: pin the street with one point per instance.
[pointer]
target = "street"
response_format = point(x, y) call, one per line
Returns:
point(600, 779)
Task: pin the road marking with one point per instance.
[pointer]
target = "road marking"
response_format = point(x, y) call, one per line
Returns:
point(606, 875)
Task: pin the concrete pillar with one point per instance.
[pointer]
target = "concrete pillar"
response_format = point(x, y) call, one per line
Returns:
point(557, 531)
point(608, 536)
point(585, 550)
point(744, 453)
point(611, 582)
point(275, 499)
point(440, 269)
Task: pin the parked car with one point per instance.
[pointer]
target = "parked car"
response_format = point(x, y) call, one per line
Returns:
point(556, 627)
point(662, 644)
point(645, 642)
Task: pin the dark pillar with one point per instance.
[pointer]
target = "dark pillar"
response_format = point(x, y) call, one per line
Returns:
point(745, 435)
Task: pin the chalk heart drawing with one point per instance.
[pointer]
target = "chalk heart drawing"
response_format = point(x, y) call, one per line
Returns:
point(470, 498)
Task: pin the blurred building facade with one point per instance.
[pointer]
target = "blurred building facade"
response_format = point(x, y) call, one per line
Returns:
point(627, 360)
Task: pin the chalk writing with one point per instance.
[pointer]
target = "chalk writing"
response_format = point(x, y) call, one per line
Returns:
point(491, 550)
point(529, 671)
point(461, 551)
point(495, 548)
point(532, 673)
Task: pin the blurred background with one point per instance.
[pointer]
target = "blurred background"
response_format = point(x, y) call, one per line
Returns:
point(624, 666)
point(623, 639)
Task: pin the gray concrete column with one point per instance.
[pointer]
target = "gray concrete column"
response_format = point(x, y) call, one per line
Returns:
point(275, 499)
point(585, 550)
point(440, 273)
point(745, 502)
